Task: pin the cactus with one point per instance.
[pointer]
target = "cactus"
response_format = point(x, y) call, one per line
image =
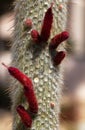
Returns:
point(41, 63)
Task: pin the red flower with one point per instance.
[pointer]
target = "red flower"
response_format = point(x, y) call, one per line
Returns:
point(31, 98)
point(55, 41)
point(22, 78)
point(46, 27)
point(59, 57)
point(25, 117)
point(28, 87)
point(47, 24)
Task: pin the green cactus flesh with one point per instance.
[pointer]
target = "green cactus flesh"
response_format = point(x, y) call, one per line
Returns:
point(35, 61)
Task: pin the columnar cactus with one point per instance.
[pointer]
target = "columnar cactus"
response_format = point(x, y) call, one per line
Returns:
point(37, 52)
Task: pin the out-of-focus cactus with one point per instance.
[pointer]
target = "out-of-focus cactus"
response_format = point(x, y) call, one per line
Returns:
point(35, 60)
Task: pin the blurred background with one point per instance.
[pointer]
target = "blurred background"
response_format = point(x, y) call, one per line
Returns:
point(72, 116)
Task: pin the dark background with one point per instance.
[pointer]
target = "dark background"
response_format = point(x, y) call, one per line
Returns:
point(6, 6)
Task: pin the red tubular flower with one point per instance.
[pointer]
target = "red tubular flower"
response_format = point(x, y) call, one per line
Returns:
point(59, 57)
point(35, 36)
point(55, 41)
point(22, 78)
point(47, 24)
point(28, 87)
point(31, 98)
point(25, 117)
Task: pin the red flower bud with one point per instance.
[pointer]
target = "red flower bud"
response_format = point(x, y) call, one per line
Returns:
point(60, 7)
point(28, 23)
point(25, 117)
point(22, 78)
point(59, 57)
point(31, 98)
point(55, 41)
point(47, 24)
point(35, 36)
